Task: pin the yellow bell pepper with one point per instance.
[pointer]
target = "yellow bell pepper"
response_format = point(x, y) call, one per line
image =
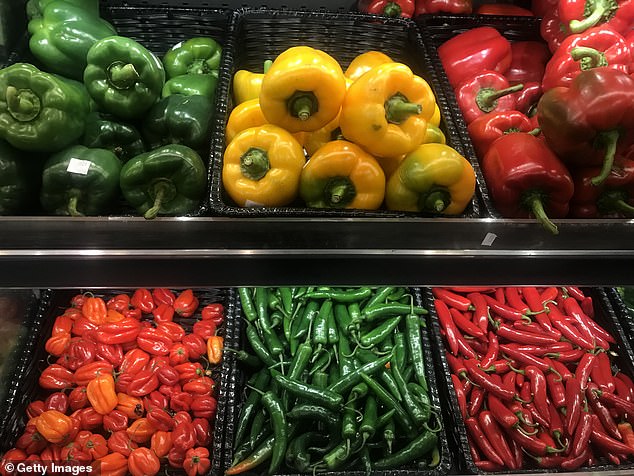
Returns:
point(434, 178)
point(389, 164)
point(303, 90)
point(434, 135)
point(247, 85)
point(386, 110)
point(364, 63)
point(435, 118)
point(262, 166)
point(342, 175)
point(320, 137)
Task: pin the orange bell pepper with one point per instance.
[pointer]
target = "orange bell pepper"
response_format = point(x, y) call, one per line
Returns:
point(101, 394)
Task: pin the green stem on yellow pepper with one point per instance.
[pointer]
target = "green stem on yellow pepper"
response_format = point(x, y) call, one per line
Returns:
point(254, 163)
point(398, 109)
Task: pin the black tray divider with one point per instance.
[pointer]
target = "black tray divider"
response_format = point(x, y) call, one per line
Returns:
point(239, 377)
point(605, 317)
point(272, 32)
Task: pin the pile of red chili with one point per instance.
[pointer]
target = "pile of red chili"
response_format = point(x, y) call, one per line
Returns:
point(130, 388)
point(533, 377)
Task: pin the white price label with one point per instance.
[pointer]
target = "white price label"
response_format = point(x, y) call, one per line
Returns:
point(249, 203)
point(489, 238)
point(78, 166)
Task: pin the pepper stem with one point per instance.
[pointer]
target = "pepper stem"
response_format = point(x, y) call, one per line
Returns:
point(392, 10)
point(267, 66)
point(535, 204)
point(339, 192)
point(23, 104)
point(588, 57)
point(487, 98)
point(615, 201)
point(158, 201)
point(72, 207)
point(398, 109)
point(609, 140)
point(122, 75)
point(199, 66)
point(535, 132)
point(595, 12)
point(254, 163)
point(436, 201)
point(303, 104)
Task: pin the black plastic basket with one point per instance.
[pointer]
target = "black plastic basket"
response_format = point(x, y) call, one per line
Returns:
point(257, 35)
point(236, 393)
point(605, 316)
point(25, 388)
point(158, 28)
point(436, 29)
point(623, 312)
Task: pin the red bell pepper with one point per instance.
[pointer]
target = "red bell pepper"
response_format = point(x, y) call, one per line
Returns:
point(456, 7)
point(541, 7)
point(597, 47)
point(468, 54)
point(506, 9)
point(525, 177)
point(580, 15)
point(390, 8)
point(552, 29)
point(528, 97)
point(485, 92)
point(528, 61)
point(583, 123)
point(614, 197)
point(486, 129)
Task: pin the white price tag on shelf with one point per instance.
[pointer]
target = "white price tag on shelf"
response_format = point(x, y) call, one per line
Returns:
point(78, 166)
point(488, 240)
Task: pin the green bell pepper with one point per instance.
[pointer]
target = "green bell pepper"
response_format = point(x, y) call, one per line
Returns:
point(104, 132)
point(179, 119)
point(123, 77)
point(193, 85)
point(63, 35)
point(35, 8)
point(40, 111)
point(80, 181)
point(170, 180)
point(194, 56)
point(19, 181)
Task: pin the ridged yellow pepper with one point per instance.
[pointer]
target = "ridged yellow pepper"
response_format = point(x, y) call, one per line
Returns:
point(303, 90)
point(262, 166)
point(320, 137)
point(342, 175)
point(364, 63)
point(434, 135)
point(434, 178)
point(435, 118)
point(247, 85)
point(386, 110)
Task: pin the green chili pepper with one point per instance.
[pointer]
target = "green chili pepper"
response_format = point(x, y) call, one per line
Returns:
point(355, 295)
point(384, 419)
point(271, 339)
point(310, 393)
point(247, 304)
point(200, 55)
point(342, 317)
point(370, 415)
point(300, 361)
point(261, 298)
point(417, 448)
point(320, 326)
point(389, 435)
point(278, 421)
point(354, 311)
point(366, 460)
point(249, 445)
point(257, 425)
point(333, 332)
point(388, 380)
point(389, 310)
point(286, 295)
point(274, 302)
point(379, 297)
point(123, 77)
point(333, 375)
point(320, 380)
point(415, 347)
point(354, 377)
point(307, 411)
point(346, 363)
point(380, 333)
point(260, 382)
point(322, 363)
point(418, 414)
point(261, 454)
point(276, 319)
point(342, 453)
point(390, 402)
point(258, 346)
point(397, 295)
point(300, 327)
point(400, 349)
point(298, 455)
point(422, 397)
point(358, 392)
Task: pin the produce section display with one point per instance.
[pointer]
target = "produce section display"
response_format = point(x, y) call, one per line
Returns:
point(335, 380)
point(539, 380)
point(128, 383)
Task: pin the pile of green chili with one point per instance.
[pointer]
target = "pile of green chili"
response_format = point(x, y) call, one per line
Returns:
point(337, 382)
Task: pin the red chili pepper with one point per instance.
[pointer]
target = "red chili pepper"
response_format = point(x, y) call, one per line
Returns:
point(504, 311)
point(498, 367)
point(573, 405)
point(213, 312)
point(492, 352)
point(142, 299)
point(601, 411)
point(531, 444)
point(186, 303)
point(560, 368)
point(474, 51)
point(465, 325)
point(480, 378)
point(143, 383)
point(496, 437)
point(446, 322)
point(476, 399)
point(538, 389)
point(540, 351)
point(154, 342)
point(485, 92)
point(579, 16)
point(481, 310)
point(601, 372)
point(568, 355)
point(460, 395)
point(536, 304)
point(504, 416)
point(514, 299)
point(582, 434)
point(453, 299)
point(163, 313)
point(569, 331)
point(571, 306)
point(556, 390)
point(615, 401)
point(626, 392)
point(556, 424)
point(510, 351)
point(482, 442)
point(570, 464)
point(582, 373)
point(456, 365)
point(522, 337)
point(603, 440)
point(510, 380)
point(389, 8)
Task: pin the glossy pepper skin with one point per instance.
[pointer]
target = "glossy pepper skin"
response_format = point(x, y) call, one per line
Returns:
point(342, 175)
point(77, 192)
point(552, 30)
point(365, 62)
point(303, 90)
point(468, 53)
point(526, 177)
point(584, 123)
point(169, 180)
point(35, 8)
point(503, 9)
point(101, 394)
point(245, 115)
point(596, 47)
point(179, 119)
point(580, 15)
point(614, 197)
point(262, 166)
point(434, 178)
point(390, 8)
point(386, 110)
point(247, 84)
point(320, 137)
point(123, 77)
point(200, 55)
point(485, 92)
point(486, 129)
point(192, 85)
point(19, 180)
point(62, 36)
point(106, 132)
point(40, 111)
point(443, 6)
point(528, 62)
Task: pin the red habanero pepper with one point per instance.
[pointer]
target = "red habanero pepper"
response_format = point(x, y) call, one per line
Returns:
point(172, 330)
point(182, 417)
point(89, 419)
point(178, 354)
point(154, 342)
point(195, 344)
point(111, 353)
point(132, 407)
point(35, 408)
point(476, 399)
point(457, 7)
point(190, 371)
point(196, 461)
point(485, 92)
point(204, 406)
point(121, 332)
point(446, 322)
point(141, 431)
point(580, 15)
point(525, 176)
point(604, 441)
point(176, 458)
point(203, 431)
point(602, 412)
point(601, 373)
point(115, 421)
point(77, 398)
point(14, 456)
point(161, 443)
point(481, 310)
point(181, 402)
point(214, 312)
point(163, 296)
point(78, 300)
point(133, 313)
point(494, 433)
point(142, 299)
point(134, 361)
point(482, 442)
point(92, 444)
point(83, 325)
point(84, 374)
point(160, 419)
point(155, 400)
point(168, 375)
point(613, 198)
point(573, 405)
point(552, 29)
point(56, 401)
point(163, 313)
point(452, 299)
point(62, 324)
point(487, 128)
point(143, 383)
point(157, 362)
point(119, 303)
point(199, 386)
point(94, 309)
point(465, 325)
point(31, 441)
point(204, 329)
point(528, 62)
point(58, 344)
point(505, 9)
point(479, 377)
point(186, 303)
point(389, 8)
point(473, 51)
point(460, 395)
point(184, 436)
